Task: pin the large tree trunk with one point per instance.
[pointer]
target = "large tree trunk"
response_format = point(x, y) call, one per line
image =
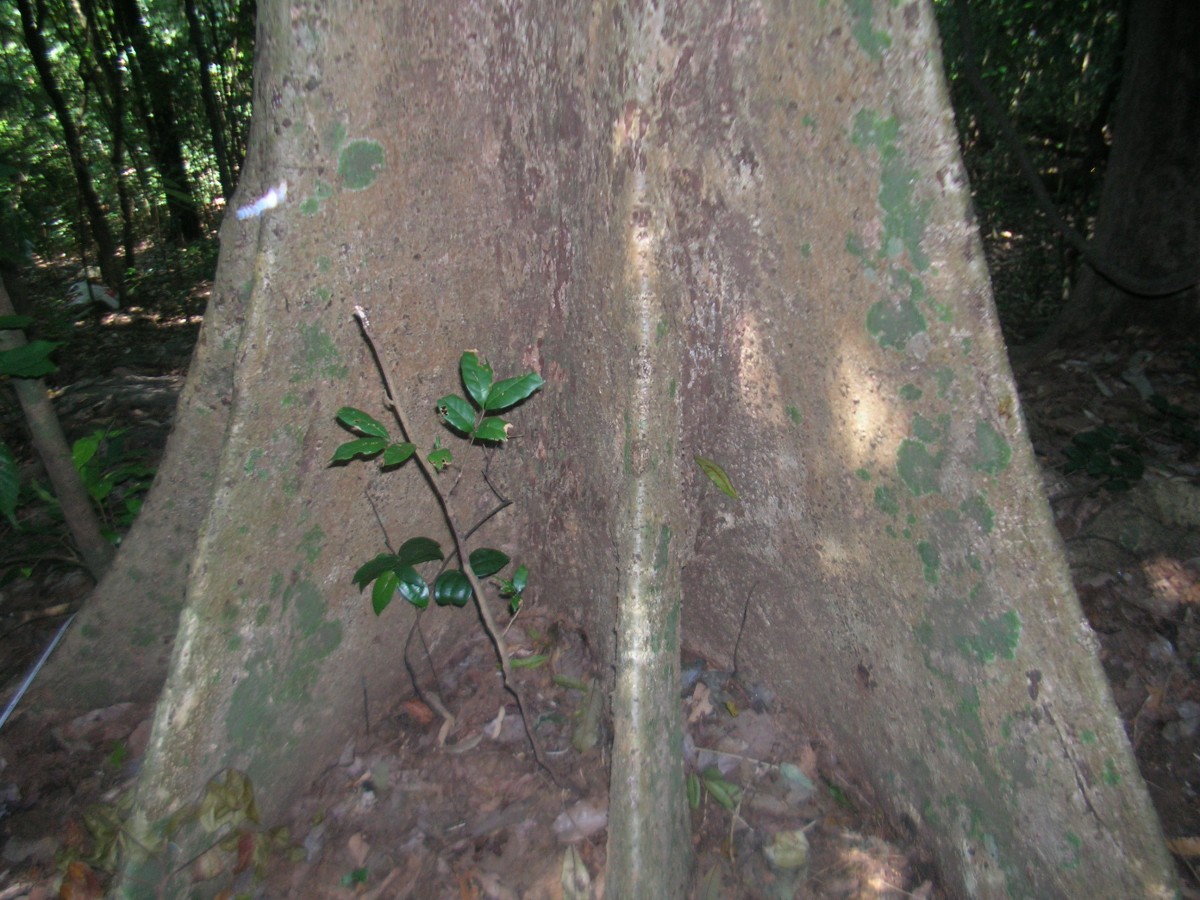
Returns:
point(735, 232)
point(1149, 219)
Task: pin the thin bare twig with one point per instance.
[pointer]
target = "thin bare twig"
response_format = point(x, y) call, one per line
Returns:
point(427, 470)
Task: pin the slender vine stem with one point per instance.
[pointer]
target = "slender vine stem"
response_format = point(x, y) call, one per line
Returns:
point(460, 539)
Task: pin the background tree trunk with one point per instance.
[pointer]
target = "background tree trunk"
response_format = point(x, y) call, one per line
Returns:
point(1149, 218)
point(212, 108)
point(161, 125)
point(736, 232)
point(55, 453)
point(105, 247)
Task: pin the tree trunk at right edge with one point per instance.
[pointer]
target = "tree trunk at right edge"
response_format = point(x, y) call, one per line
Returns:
point(1149, 219)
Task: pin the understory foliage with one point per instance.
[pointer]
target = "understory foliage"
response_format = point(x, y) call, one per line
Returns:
point(476, 420)
point(133, 111)
point(1055, 68)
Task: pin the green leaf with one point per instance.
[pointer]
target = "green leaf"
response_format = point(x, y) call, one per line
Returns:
point(383, 591)
point(519, 579)
point(413, 587)
point(567, 681)
point(85, 448)
point(412, 552)
point(693, 791)
point(418, 550)
point(364, 447)
point(452, 589)
point(717, 476)
point(395, 454)
point(512, 391)
point(354, 877)
point(491, 429)
point(719, 789)
point(485, 562)
point(440, 457)
point(7, 322)
point(477, 376)
point(371, 570)
point(457, 413)
point(357, 420)
point(528, 662)
point(10, 485)
point(30, 360)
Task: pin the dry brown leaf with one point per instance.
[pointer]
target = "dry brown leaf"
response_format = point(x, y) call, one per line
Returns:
point(807, 762)
point(359, 849)
point(418, 712)
point(700, 703)
point(1187, 847)
point(80, 883)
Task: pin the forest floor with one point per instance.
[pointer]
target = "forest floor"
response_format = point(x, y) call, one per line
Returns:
point(408, 810)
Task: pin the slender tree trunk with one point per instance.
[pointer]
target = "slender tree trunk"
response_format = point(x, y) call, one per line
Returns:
point(162, 124)
point(55, 454)
point(208, 96)
point(105, 245)
point(113, 95)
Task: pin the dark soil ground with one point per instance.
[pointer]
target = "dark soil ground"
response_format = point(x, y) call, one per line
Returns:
point(412, 808)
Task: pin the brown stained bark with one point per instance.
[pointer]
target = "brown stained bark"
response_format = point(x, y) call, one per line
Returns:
point(55, 454)
point(166, 146)
point(1149, 217)
point(97, 219)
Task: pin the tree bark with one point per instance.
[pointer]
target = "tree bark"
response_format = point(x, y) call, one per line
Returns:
point(1149, 219)
point(736, 232)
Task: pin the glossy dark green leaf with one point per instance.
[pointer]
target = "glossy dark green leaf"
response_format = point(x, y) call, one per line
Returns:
point(371, 570)
point(477, 377)
point(485, 562)
point(492, 429)
point(412, 587)
point(452, 589)
point(511, 391)
point(30, 360)
point(717, 476)
point(398, 453)
point(364, 447)
point(357, 420)
point(418, 550)
point(412, 552)
point(457, 413)
point(383, 591)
